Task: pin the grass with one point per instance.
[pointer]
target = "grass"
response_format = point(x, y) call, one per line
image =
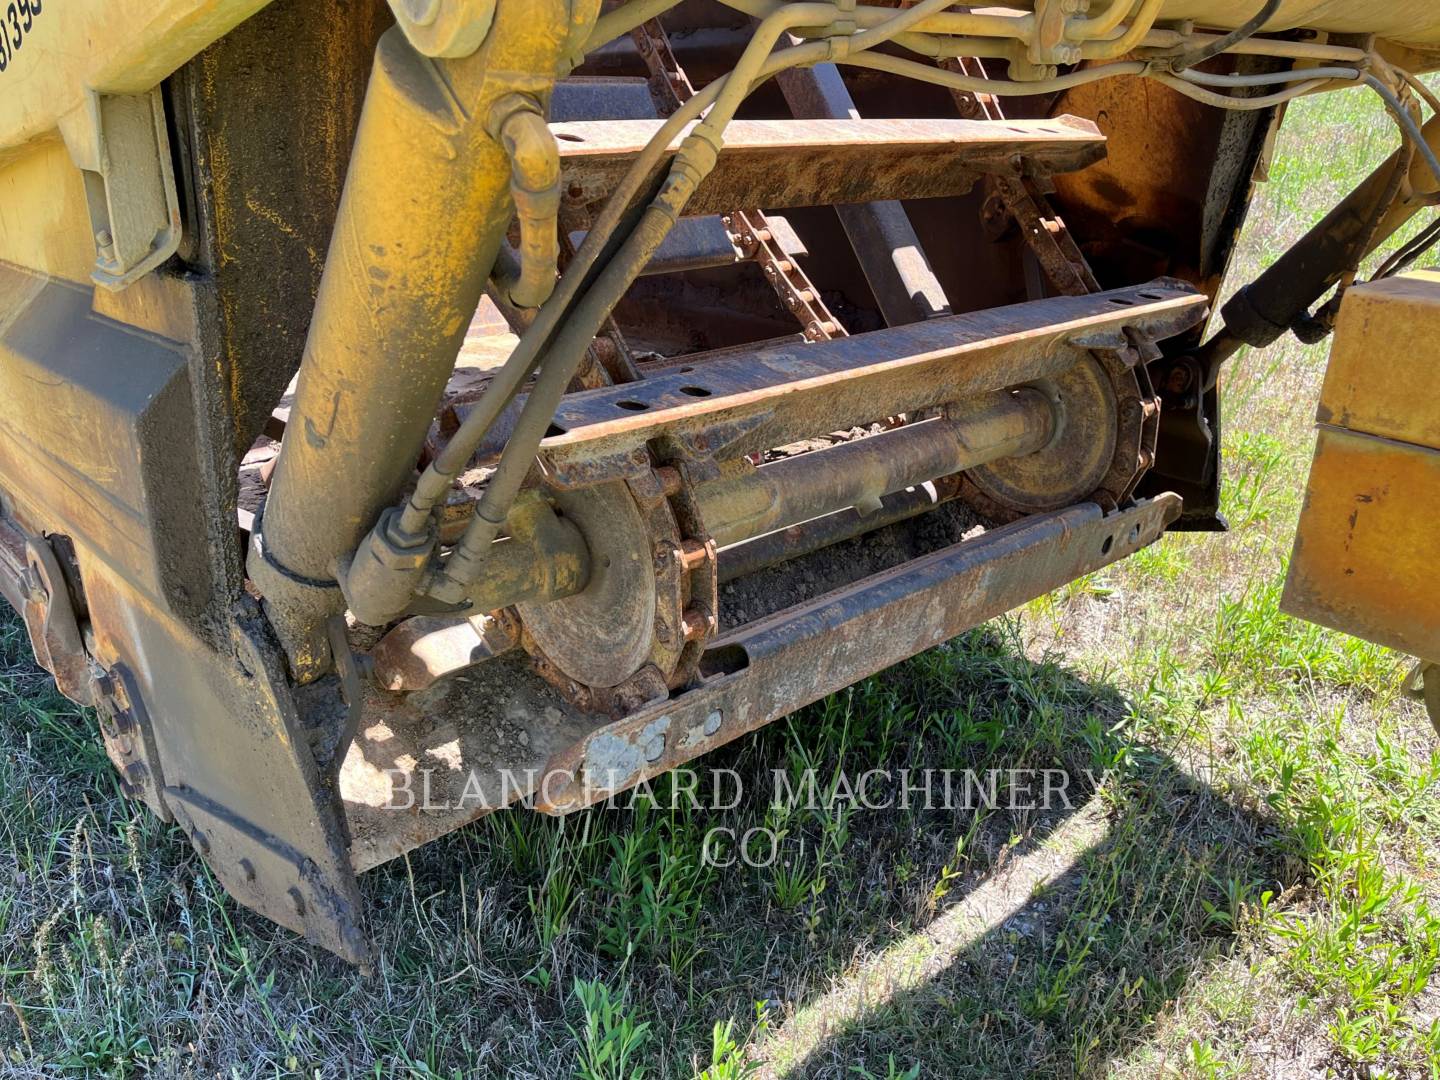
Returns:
point(1245, 885)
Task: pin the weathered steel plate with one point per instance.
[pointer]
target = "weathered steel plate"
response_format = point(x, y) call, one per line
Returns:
point(781, 392)
point(1394, 323)
point(780, 163)
point(1368, 546)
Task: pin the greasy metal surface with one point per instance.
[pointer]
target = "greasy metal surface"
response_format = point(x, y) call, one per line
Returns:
point(1075, 461)
point(779, 163)
point(602, 635)
point(801, 654)
point(544, 557)
point(1142, 211)
point(749, 502)
point(401, 281)
point(779, 393)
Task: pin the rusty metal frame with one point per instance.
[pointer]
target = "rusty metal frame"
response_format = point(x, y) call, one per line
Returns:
point(779, 393)
point(782, 163)
point(833, 640)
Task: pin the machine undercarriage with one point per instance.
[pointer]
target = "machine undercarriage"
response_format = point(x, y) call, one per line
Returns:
point(509, 405)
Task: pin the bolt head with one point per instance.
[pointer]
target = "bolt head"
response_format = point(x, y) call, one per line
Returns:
point(655, 748)
point(713, 721)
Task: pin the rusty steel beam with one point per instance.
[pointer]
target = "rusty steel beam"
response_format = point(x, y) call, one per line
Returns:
point(779, 393)
point(833, 640)
point(780, 163)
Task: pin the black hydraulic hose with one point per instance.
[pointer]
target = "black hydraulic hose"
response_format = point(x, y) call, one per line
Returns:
point(1233, 38)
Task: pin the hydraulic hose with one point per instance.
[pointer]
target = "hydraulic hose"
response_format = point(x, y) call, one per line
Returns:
point(1241, 104)
point(535, 190)
point(1140, 25)
point(999, 87)
point(1214, 48)
point(692, 163)
point(1103, 25)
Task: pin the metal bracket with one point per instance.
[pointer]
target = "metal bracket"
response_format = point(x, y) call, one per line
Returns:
point(53, 625)
point(120, 143)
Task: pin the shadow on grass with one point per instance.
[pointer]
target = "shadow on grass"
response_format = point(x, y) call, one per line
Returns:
point(997, 942)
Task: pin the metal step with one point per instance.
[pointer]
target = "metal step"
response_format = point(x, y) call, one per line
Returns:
point(783, 163)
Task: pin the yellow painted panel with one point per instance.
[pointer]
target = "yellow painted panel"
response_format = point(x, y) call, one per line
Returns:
point(1367, 554)
point(57, 50)
point(44, 222)
point(1384, 374)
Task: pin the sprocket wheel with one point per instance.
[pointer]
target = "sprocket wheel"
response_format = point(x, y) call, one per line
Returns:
point(639, 627)
point(1109, 423)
